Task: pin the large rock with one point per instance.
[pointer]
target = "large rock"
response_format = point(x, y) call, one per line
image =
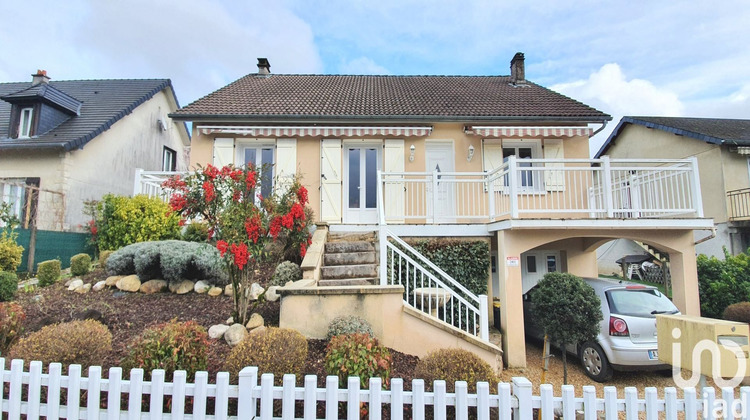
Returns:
point(75, 284)
point(235, 334)
point(271, 294)
point(84, 289)
point(259, 330)
point(100, 285)
point(181, 287)
point(256, 320)
point(112, 280)
point(129, 283)
point(154, 286)
point(229, 290)
point(217, 331)
point(255, 291)
point(71, 280)
point(215, 291)
point(201, 286)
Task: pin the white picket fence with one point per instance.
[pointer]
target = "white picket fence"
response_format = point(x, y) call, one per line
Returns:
point(253, 399)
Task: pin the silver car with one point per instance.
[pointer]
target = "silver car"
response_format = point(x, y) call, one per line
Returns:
point(627, 335)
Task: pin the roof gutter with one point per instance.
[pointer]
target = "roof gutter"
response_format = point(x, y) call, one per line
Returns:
point(403, 118)
point(604, 124)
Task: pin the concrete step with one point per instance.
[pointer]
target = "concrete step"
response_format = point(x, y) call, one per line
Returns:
point(352, 237)
point(349, 258)
point(368, 281)
point(349, 271)
point(342, 247)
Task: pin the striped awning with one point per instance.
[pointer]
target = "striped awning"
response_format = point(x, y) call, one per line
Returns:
point(539, 131)
point(325, 131)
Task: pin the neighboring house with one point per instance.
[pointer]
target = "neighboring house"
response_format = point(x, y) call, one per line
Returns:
point(722, 149)
point(65, 142)
point(493, 157)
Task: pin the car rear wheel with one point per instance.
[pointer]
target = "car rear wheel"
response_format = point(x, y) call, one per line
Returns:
point(595, 362)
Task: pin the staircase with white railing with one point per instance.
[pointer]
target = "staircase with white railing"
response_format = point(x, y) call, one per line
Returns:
point(427, 287)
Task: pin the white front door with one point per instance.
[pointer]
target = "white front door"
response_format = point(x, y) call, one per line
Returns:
point(439, 158)
point(535, 264)
point(361, 164)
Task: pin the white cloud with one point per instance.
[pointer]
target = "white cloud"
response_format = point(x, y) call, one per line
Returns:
point(609, 90)
point(362, 65)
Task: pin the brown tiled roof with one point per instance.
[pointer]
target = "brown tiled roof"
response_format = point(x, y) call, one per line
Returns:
point(332, 97)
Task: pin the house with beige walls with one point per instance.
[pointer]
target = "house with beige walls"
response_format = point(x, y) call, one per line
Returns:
point(65, 142)
point(722, 150)
point(492, 158)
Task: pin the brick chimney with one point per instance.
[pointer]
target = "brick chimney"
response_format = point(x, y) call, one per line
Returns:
point(517, 71)
point(264, 67)
point(39, 78)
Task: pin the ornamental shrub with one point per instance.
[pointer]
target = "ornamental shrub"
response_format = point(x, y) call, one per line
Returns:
point(276, 350)
point(10, 252)
point(85, 342)
point(453, 365)
point(103, 257)
point(196, 232)
point(169, 260)
point(722, 282)
point(739, 312)
point(8, 286)
point(80, 264)
point(349, 325)
point(358, 355)
point(285, 272)
point(122, 221)
point(48, 272)
point(11, 325)
point(171, 346)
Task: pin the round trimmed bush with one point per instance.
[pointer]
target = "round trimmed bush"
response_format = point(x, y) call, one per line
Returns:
point(285, 272)
point(739, 312)
point(8, 286)
point(10, 252)
point(80, 264)
point(85, 342)
point(276, 350)
point(171, 346)
point(358, 355)
point(453, 365)
point(48, 272)
point(349, 325)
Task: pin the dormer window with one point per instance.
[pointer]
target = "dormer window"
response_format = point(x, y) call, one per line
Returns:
point(24, 123)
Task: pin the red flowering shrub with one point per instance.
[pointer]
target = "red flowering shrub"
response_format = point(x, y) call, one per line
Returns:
point(241, 221)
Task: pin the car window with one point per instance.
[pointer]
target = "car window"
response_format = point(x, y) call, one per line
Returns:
point(639, 302)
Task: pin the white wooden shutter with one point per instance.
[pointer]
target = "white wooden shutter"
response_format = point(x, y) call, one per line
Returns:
point(492, 158)
point(553, 180)
point(223, 152)
point(393, 194)
point(286, 163)
point(330, 181)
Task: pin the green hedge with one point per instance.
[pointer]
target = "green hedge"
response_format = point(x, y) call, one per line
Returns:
point(722, 282)
point(466, 261)
point(124, 220)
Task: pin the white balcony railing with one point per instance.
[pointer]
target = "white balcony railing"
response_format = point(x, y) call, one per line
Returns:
point(546, 188)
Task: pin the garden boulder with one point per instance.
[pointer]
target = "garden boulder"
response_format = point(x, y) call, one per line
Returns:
point(235, 334)
point(154, 286)
point(215, 291)
point(100, 285)
point(201, 286)
point(256, 320)
point(181, 287)
point(217, 331)
point(271, 294)
point(112, 280)
point(129, 283)
point(255, 291)
point(75, 284)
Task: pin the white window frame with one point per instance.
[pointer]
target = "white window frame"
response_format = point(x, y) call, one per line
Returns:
point(13, 191)
point(24, 122)
point(168, 159)
point(258, 144)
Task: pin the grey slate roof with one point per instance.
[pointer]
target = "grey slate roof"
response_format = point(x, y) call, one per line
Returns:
point(295, 98)
point(711, 130)
point(104, 103)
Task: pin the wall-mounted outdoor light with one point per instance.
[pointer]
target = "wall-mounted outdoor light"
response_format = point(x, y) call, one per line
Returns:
point(411, 153)
point(471, 153)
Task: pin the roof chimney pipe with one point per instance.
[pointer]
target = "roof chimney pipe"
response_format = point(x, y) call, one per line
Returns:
point(517, 70)
point(264, 67)
point(39, 78)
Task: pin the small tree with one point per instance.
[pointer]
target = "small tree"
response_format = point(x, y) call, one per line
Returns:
point(246, 227)
point(567, 309)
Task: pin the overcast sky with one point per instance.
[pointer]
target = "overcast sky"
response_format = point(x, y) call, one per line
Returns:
point(671, 58)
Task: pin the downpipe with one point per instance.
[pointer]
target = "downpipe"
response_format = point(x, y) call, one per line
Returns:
point(709, 237)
